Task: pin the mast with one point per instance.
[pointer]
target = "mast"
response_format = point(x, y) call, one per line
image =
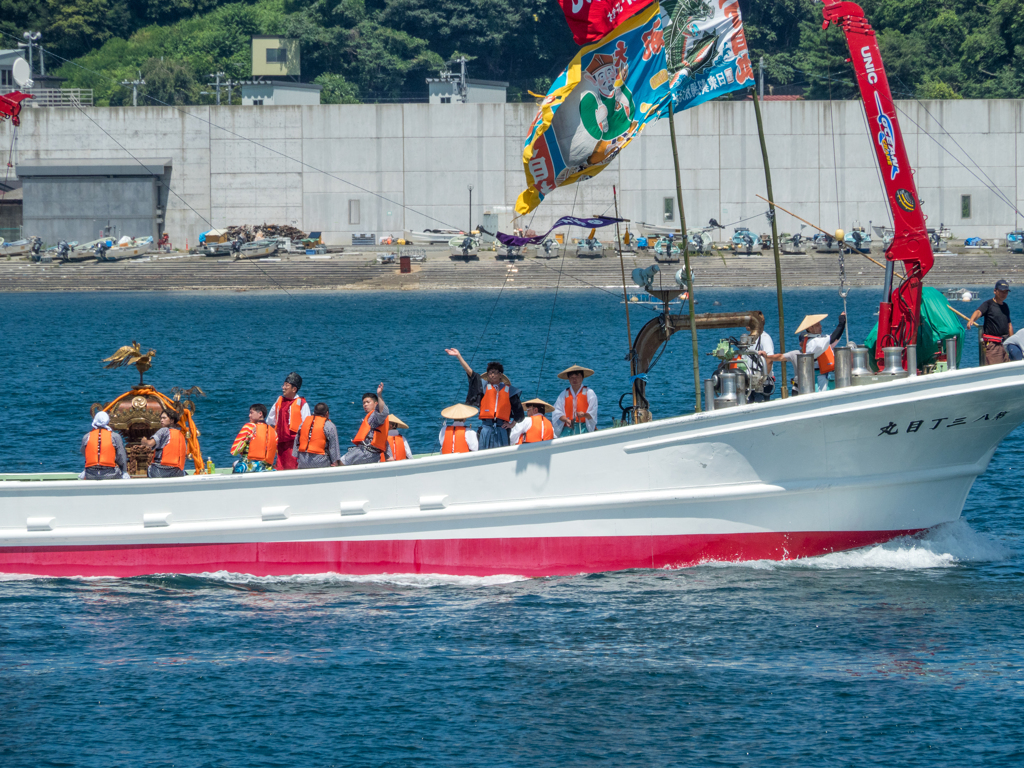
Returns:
point(899, 313)
point(775, 237)
point(625, 300)
point(686, 257)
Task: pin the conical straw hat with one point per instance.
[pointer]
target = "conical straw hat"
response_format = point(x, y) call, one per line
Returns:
point(809, 321)
point(459, 412)
point(573, 368)
point(397, 422)
point(547, 408)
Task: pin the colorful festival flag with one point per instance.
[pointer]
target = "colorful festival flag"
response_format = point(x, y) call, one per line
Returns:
point(566, 221)
point(590, 20)
point(613, 88)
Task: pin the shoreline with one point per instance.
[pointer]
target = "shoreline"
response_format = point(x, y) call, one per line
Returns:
point(359, 272)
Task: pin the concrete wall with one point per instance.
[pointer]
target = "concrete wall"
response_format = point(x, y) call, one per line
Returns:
point(79, 208)
point(409, 164)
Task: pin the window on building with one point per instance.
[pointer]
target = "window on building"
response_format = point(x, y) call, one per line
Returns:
point(446, 99)
point(965, 206)
point(353, 211)
point(670, 208)
point(6, 78)
point(277, 55)
point(257, 102)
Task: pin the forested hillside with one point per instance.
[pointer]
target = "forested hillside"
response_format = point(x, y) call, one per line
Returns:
point(381, 50)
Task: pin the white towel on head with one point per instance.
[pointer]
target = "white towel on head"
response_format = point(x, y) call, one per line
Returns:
point(101, 421)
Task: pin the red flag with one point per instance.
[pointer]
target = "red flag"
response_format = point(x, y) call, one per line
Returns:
point(590, 20)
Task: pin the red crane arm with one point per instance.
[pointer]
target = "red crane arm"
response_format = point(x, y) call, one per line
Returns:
point(10, 105)
point(899, 314)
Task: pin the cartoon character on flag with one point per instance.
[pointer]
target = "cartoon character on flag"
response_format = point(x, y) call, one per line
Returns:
point(616, 86)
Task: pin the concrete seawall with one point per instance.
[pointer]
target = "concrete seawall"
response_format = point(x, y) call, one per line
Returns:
point(361, 272)
point(344, 169)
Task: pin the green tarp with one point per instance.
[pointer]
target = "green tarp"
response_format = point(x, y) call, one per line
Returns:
point(938, 323)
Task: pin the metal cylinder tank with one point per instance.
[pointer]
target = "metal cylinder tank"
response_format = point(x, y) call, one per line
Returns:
point(844, 365)
point(804, 374)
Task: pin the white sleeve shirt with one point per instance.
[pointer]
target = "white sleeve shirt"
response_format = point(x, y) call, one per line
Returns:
point(471, 441)
point(519, 430)
point(556, 417)
point(272, 416)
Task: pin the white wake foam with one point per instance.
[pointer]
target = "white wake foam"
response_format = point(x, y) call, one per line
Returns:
point(422, 580)
point(944, 546)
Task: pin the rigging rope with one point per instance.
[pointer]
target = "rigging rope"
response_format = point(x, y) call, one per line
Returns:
point(554, 303)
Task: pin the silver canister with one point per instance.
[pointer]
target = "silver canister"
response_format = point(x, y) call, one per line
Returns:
point(804, 374)
point(951, 353)
point(727, 390)
point(893, 363)
point(709, 394)
point(912, 360)
point(861, 367)
point(844, 366)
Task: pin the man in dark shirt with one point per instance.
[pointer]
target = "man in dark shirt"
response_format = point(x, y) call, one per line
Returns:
point(997, 324)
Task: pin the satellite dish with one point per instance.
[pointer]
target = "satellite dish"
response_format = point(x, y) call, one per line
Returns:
point(22, 73)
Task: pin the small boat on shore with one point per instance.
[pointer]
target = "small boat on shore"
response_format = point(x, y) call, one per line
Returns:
point(430, 236)
point(859, 240)
point(1015, 241)
point(589, 248)
point(126, 248)
point(18, 247)
point(256, 250)
point(464, 247)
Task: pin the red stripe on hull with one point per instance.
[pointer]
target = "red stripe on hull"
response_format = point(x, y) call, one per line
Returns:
point(465, 557)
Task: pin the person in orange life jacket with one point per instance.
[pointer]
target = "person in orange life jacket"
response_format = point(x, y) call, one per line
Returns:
point(535, 428)
point(456, 437)
point(997, 324)
point(169, 447)
point(814, 343)
point(576, 406)
point(255, 444)
point(372, 438)
point(316, 445)
point(398, 446)
point(497, 400)
point(103, 449)
point(286, 416)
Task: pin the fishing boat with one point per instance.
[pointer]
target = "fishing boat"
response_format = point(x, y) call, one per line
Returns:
point(126, 248)
point(589, 248)
point(666, 250)
point(961, 294)
point(859, 240)
point(1015, 241)
point(887, 453)
point(18, 247)
point(430, 236)
point(256, 249)
point(743, 239)
point(464, 247)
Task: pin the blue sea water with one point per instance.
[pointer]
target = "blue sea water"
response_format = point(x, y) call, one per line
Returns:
point(903, 654)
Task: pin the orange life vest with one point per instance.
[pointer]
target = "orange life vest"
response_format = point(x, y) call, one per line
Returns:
point(826, 360)
point(99, 450)
point(175, 451)
point(455, 440)
point(397, 443)
point(294, 413)
point(262, 444)
point(496, 404)
point(539, 431)
point(576, 408)
point(380, 434)
point(312, 438)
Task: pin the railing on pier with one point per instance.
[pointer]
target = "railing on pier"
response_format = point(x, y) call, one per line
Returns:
point(55, 97)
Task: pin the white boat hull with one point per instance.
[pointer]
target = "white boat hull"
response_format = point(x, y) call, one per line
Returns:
point(786, 479)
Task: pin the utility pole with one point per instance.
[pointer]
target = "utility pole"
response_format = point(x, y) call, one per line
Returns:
point(227, 83)
point(33, 42)
point(470, 230)
point(135, 88)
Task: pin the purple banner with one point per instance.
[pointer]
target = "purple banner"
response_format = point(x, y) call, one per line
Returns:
point(565, 221)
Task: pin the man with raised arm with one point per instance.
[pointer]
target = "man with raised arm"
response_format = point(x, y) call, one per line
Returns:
point(497, 400)
point(371, 440)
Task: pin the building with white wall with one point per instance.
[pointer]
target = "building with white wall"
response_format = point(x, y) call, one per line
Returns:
point(345, 169)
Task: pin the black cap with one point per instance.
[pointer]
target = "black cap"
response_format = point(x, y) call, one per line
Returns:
point(294, 379)
point(1002, 285)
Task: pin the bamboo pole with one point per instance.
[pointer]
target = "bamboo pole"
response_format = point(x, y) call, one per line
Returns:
point(625, 299)
point(686, 258)
point(775, 243)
